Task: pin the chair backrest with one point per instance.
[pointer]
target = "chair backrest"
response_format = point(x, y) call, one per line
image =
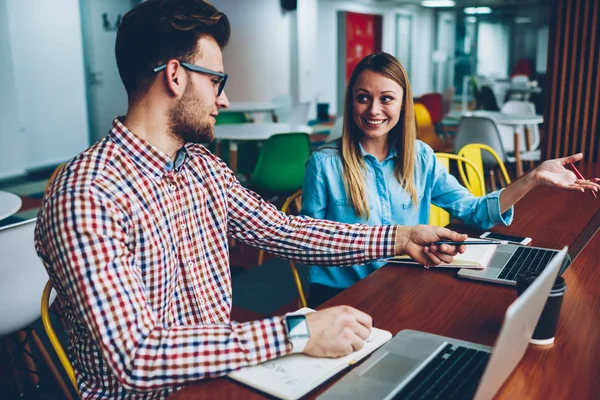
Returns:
point(480, 130)
point(519, 80)
point(233, 117)
point(447, 97)
point(22, 277)
point(526, 108)
point(434, 104)
point(426, 130)
point(293, 201)
point(283, 104)
point(281, 163)
point(423, 117)
point(299, 114)
point(62, 356)
point(523, 67)
point(473, 153)
point(336, 130)
point(472, 180)
point(486, 100)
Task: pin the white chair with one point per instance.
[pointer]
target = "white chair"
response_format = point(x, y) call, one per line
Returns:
point(485, 131)
point(519, 80)
point(524, 108)
point(299, 114)
point(336, 130)
point(22, 280)
point(283, 104)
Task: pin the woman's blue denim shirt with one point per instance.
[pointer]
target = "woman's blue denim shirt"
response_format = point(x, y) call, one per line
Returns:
point(324, 197)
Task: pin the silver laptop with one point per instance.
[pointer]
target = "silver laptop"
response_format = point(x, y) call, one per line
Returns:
point(419, 365)
point(509, 261)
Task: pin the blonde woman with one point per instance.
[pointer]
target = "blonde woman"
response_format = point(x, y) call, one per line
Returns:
point(378, 173)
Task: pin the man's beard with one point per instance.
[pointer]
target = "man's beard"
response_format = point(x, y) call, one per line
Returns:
point(187, 121)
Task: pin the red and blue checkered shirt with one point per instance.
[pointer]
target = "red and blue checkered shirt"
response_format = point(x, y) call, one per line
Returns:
point(136, 247)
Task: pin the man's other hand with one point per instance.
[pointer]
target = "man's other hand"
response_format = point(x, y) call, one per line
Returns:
point(337, 331)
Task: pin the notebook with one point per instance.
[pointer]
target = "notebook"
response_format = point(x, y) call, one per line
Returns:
point(475, 257)
point(293, 376)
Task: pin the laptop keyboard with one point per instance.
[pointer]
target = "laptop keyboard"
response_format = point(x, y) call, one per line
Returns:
point(453, 374)
point(526, 259)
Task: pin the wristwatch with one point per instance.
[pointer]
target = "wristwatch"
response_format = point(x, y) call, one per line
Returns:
point(297, 331)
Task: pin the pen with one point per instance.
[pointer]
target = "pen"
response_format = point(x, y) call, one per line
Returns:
point(471, 242)
point(579, 176)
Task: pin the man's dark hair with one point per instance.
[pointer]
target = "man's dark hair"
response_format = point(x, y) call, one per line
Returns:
point(157, 31)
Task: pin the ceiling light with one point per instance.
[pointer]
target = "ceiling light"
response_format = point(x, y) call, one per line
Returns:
point(477, 10)
point(437, 3)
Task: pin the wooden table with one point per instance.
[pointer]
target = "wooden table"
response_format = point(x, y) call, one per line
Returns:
point(399, 297)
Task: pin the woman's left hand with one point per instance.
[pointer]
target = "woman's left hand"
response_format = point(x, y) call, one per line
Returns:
point(556, 173)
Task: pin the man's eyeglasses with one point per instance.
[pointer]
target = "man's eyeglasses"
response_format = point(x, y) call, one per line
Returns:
point(201, 70)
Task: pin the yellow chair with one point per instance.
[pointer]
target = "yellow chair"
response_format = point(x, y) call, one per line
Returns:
point(64, 360)
point(426, 130)
point(473, 181)
point(295, 199)
point(54, 173)
point(472, 152)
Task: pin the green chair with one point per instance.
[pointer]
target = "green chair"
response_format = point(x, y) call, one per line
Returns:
point(232, 118)
point(281, 162)
point(279, 171)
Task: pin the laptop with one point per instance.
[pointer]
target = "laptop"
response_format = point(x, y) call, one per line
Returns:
point(510, 260)
point(419, 365)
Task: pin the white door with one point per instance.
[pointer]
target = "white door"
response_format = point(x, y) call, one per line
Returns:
point(105, 92)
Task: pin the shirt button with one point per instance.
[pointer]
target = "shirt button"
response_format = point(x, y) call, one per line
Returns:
point(157, 178)
point(190, 264)
point(182, 226)
point(202, 301)
point(172, 187)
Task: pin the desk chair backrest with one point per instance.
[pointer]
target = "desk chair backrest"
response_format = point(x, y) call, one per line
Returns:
point(293, 202)
point(434, 104)
point(336, 130)
point(281, 163)
point(486, 100)
point(299, 114)
point(233, 117)
point(472, 180)
point(22, 277)
point(524, 108)
point(62, 356)
point(426, 130)
point(481, 130)
point(473, 152)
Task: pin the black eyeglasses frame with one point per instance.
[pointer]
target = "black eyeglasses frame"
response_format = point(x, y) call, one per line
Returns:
point(201, 70)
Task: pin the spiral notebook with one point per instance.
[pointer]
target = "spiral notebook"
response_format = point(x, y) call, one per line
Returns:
point(475, 257)
point(293, 376)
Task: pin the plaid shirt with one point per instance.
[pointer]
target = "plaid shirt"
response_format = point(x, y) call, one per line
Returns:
point(136, 247)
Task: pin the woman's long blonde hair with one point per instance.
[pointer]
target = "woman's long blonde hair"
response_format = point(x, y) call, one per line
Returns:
point(402, 136)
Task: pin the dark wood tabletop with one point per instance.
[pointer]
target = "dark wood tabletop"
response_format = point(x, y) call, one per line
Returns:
point(437, 301)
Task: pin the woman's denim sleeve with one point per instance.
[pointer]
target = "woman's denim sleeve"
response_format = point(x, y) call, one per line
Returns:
point(314, 196)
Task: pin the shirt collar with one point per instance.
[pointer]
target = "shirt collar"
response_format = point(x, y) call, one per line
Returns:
point(391, 153)
point(148, 157)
